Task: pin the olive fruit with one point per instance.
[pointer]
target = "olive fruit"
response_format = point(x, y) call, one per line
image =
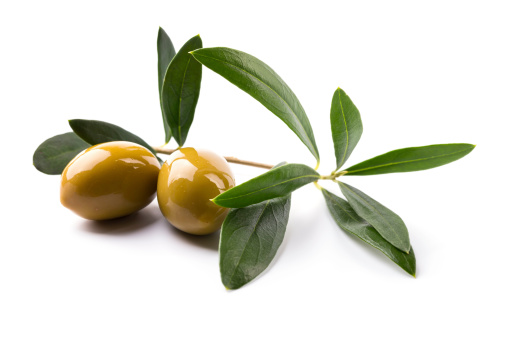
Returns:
point(186, 183)
point(110, 180)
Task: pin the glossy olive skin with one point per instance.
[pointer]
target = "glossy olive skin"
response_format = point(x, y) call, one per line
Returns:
point(186, 183)
point(110, 180)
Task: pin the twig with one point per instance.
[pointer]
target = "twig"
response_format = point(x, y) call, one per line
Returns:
point(229, 159)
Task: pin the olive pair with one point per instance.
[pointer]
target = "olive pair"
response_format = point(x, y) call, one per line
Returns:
point(115, 179)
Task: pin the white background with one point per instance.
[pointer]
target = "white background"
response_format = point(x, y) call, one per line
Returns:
point(420, 73)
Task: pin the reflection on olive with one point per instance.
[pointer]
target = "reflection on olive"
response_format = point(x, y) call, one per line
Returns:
point(110, 180)
point(186, 183)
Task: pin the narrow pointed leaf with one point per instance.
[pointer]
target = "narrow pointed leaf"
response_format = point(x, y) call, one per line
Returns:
point(166, 53)
point(346, 126)
point(250, 238)
point(262, 83)
point(412, 159)
point(180, 90)
point(95, 132)
point(387, 223)
point(277, 182)
point(53, 155)
point(350, 221)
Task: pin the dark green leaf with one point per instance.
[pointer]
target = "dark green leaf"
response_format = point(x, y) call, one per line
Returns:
point(250, 238)
point(412, 159)
point(346, 126)
point(180, 91)
point(350, 221)
point(166, 53)
point(386, 222)
point(95, 132)
point(53, 155)
point(277, 182)
point(263, 84)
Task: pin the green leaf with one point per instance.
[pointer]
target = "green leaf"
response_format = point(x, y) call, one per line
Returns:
point(53, 155)
point(346, 126)
point(412, 159)
point(250, 238)
point(166, 53)
point(261, 82)
point(350, 221)
point(277, 182)
point(387, 223)
point(180, 91)
point(95, 132)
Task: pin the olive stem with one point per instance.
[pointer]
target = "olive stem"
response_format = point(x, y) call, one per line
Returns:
point(229, 159)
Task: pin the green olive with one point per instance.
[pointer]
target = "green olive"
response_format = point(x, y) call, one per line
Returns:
point(110, 180)
point(186, 183)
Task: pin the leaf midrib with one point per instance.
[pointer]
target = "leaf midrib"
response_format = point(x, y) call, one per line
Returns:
point(271, 186)
point(290, 108)
point(409, 161)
